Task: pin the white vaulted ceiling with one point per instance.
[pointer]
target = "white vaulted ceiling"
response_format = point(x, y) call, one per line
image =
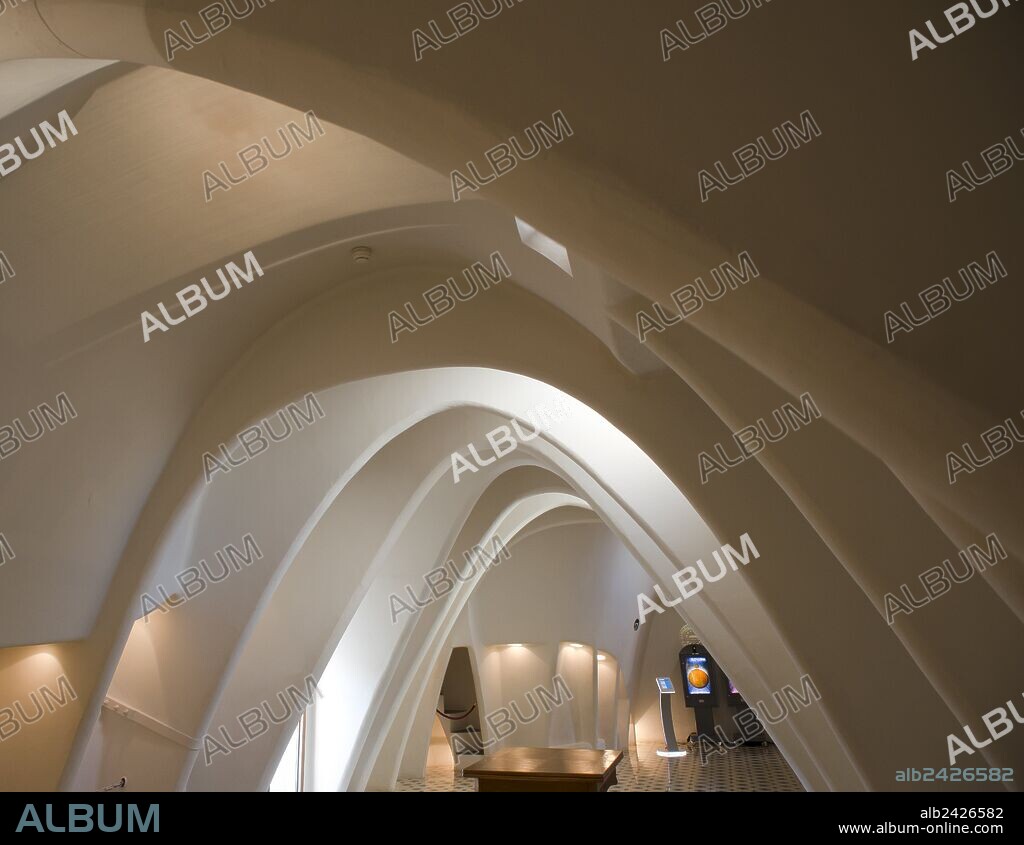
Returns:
point(114, 221)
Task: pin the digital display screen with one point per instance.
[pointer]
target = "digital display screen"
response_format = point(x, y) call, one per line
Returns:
point(665, 685)
point(698, 675)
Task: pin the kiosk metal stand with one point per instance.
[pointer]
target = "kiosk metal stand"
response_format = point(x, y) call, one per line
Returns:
point(671, 748)
point(705, 719)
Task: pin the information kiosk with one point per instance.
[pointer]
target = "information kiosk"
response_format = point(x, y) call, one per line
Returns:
point(671, 749)
point(698, 671)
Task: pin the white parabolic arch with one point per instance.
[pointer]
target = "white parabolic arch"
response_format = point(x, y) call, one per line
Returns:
point(287, 491)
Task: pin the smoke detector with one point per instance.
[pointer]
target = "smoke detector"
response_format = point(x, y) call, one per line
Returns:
point(361, 254)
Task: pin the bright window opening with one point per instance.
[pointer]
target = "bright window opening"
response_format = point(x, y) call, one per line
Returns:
point(552, 250)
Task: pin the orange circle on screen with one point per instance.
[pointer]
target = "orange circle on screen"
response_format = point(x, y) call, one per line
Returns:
point(698, 678)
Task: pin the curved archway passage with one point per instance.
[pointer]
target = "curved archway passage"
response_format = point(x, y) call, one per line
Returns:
point(456, 438)
point(589, 435)
point(460, 697)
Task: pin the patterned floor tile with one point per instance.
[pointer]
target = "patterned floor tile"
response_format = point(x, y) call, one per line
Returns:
point(753, 769)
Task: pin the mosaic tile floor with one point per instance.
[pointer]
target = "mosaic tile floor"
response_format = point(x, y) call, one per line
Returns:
point(753, 769)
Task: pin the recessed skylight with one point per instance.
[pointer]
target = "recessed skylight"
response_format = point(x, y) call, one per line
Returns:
point(552, 250)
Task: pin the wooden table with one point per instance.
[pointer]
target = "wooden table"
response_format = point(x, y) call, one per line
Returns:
point(545, 770)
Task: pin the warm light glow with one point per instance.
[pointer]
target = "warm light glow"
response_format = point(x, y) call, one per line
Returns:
point(601, 657)
point(576, 645)
point(44, 660)
point(515, 645)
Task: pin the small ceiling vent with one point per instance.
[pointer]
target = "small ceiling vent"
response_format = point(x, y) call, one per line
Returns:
point(361, 254)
